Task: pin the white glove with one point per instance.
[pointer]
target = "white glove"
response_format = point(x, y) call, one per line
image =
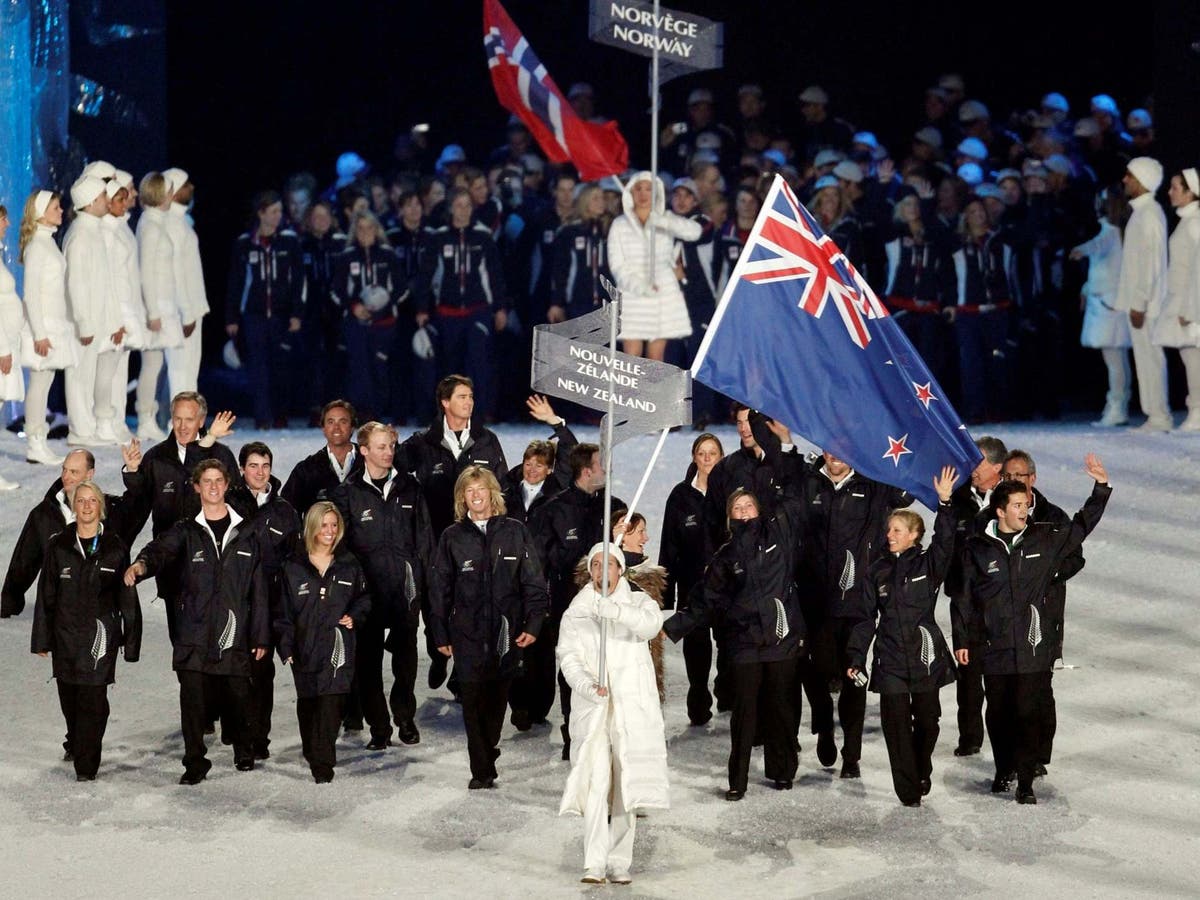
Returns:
point(607, 609)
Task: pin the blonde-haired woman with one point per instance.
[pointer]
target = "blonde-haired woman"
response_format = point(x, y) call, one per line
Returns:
point(653, 308)
point(322, 595)
point(164, 330)
point(48, 341)
point(487, 602)
point(12, 384)
point(579, 260)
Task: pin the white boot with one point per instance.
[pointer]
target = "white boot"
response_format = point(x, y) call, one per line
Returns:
point(36, 451)
point(124, 435)
point(75, 439)
point(1192, 422)
point(106, 432)
point(1112, 417)
point(148, 429)
point(6, 485)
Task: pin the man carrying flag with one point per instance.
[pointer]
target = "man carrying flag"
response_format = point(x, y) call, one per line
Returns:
point(523, 86)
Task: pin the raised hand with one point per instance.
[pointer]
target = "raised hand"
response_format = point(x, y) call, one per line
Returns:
point(131, 454)
point(944, 484)
point(1095, 468)
point(540, 409)
point(222, 425)
point(780, 431)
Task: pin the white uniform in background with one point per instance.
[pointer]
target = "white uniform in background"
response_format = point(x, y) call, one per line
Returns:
point(12, 385)
point(46, 318)
point(156, 261)
point(127, 281)
point(1183, 302)
point(96, 310)
point(183, 363)
point(1105, 327)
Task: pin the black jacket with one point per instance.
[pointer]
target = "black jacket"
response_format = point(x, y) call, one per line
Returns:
point(313, 478)
point(911, 655)
point(222, 610)
point(556, 481)
point(1005, 586)
point(564, 530)
point(309, 606)
point(487, 589)
point(580, 260)
point(427, 457)
point(389, 532)
point(741, 470)
point(357, 269)
point(681, 546)
point(971, 514)
point(318, 255)
point(748, 593)
point(461, 272)
point(266, 278)
point(43, 522)
point(84, 612)
point(275, 523)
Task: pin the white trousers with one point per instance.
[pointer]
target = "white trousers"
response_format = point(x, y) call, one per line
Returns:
point(183, 363)
point(37, 396)
point(1117, 361)
point(1191, 365)
point(607, 845)
point(89, 389)
point(145, 401)
point(1151, 364)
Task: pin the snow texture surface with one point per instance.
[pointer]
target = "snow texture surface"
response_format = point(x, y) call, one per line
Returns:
point(1118, 816)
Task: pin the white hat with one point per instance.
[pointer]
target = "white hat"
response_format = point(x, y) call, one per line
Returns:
point(42, 202)
point(971, 173)
point(828, 158)
point(85, 190)
point(1007, 173)
point(754, 89)
point(613, 550)
point(973, 111)
point(1033, 168)
point(1056, 162)
point(112, 186)
point(1192, 179)
point(1056, 101)
point(1106, 104)
point(176, 178)
point(1146, 170)
point(123, 178)
point(952, 81)
point(974, 148)
point(814, 94)
point(686, 184)
point(422, 343)
point(825, 181)
point(99, 169)
point(929, 135)
point(1139, 120)
point(1087, 127)
point(700, 95)
point(848, 171)
point(865, 138)
point(987, 189)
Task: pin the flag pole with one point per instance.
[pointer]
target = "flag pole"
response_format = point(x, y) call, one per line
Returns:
point(653, 147)
point(614, 309)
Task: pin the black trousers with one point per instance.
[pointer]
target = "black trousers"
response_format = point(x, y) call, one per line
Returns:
point(483, 705)
point(85, 709)
point(402, 644)
point(827, 663)
point(262, 702)
point(320, 719)
point(533, 689)
point(910, 730)
point(697, 659)
point(970, 692)
point(1014, 718)
point(1049, 723)
point(201, 696)
point(762, 698)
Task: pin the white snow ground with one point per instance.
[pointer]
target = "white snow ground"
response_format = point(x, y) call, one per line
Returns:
point(1118, 815)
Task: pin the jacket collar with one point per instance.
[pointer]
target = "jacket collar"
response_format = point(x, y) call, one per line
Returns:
point(992, 530)
point(230, 532)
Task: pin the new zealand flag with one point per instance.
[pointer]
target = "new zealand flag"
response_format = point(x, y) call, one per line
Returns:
point(801, 336)
point(524, 87)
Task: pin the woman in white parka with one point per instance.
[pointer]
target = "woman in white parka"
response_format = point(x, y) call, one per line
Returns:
point(618, 745)
point(653, 308)
point(127, 283)
point(1179, 324)
point(12, 383)
point(48, 340)
point(164, 329)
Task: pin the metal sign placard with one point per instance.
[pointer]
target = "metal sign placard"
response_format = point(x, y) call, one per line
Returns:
point(682, 39)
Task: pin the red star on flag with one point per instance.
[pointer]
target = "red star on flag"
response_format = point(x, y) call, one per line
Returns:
point(896, 449)
point(924, 392)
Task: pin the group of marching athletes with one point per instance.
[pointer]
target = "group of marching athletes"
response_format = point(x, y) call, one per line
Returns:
point(796, 564)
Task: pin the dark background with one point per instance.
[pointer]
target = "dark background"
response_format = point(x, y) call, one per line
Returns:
point(255, 91)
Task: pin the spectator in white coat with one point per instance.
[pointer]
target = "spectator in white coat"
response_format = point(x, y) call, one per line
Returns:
point(97, 313)
point(164, 329)
point(12, 384)
point(183, 363)
point(1104, 326)
point(653, 308)
point(1179, 324)
point(1142, 288)
point(618, 747)
point(48, 340)
point(127, 283)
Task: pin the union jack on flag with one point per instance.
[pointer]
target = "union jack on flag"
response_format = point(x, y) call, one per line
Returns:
point(792, 247)
point(524, 87)
point(851, 383)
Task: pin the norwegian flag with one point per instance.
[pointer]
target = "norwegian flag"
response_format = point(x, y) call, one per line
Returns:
point(523, 86)
point(800, 335)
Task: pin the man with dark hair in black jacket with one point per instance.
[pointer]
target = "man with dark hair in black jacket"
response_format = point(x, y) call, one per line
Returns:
point(277, 526)
point(222, 619)
point(563, 530)
point(388, 529)
point(159, 483)
point(1007, 571)
point(315, 476)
